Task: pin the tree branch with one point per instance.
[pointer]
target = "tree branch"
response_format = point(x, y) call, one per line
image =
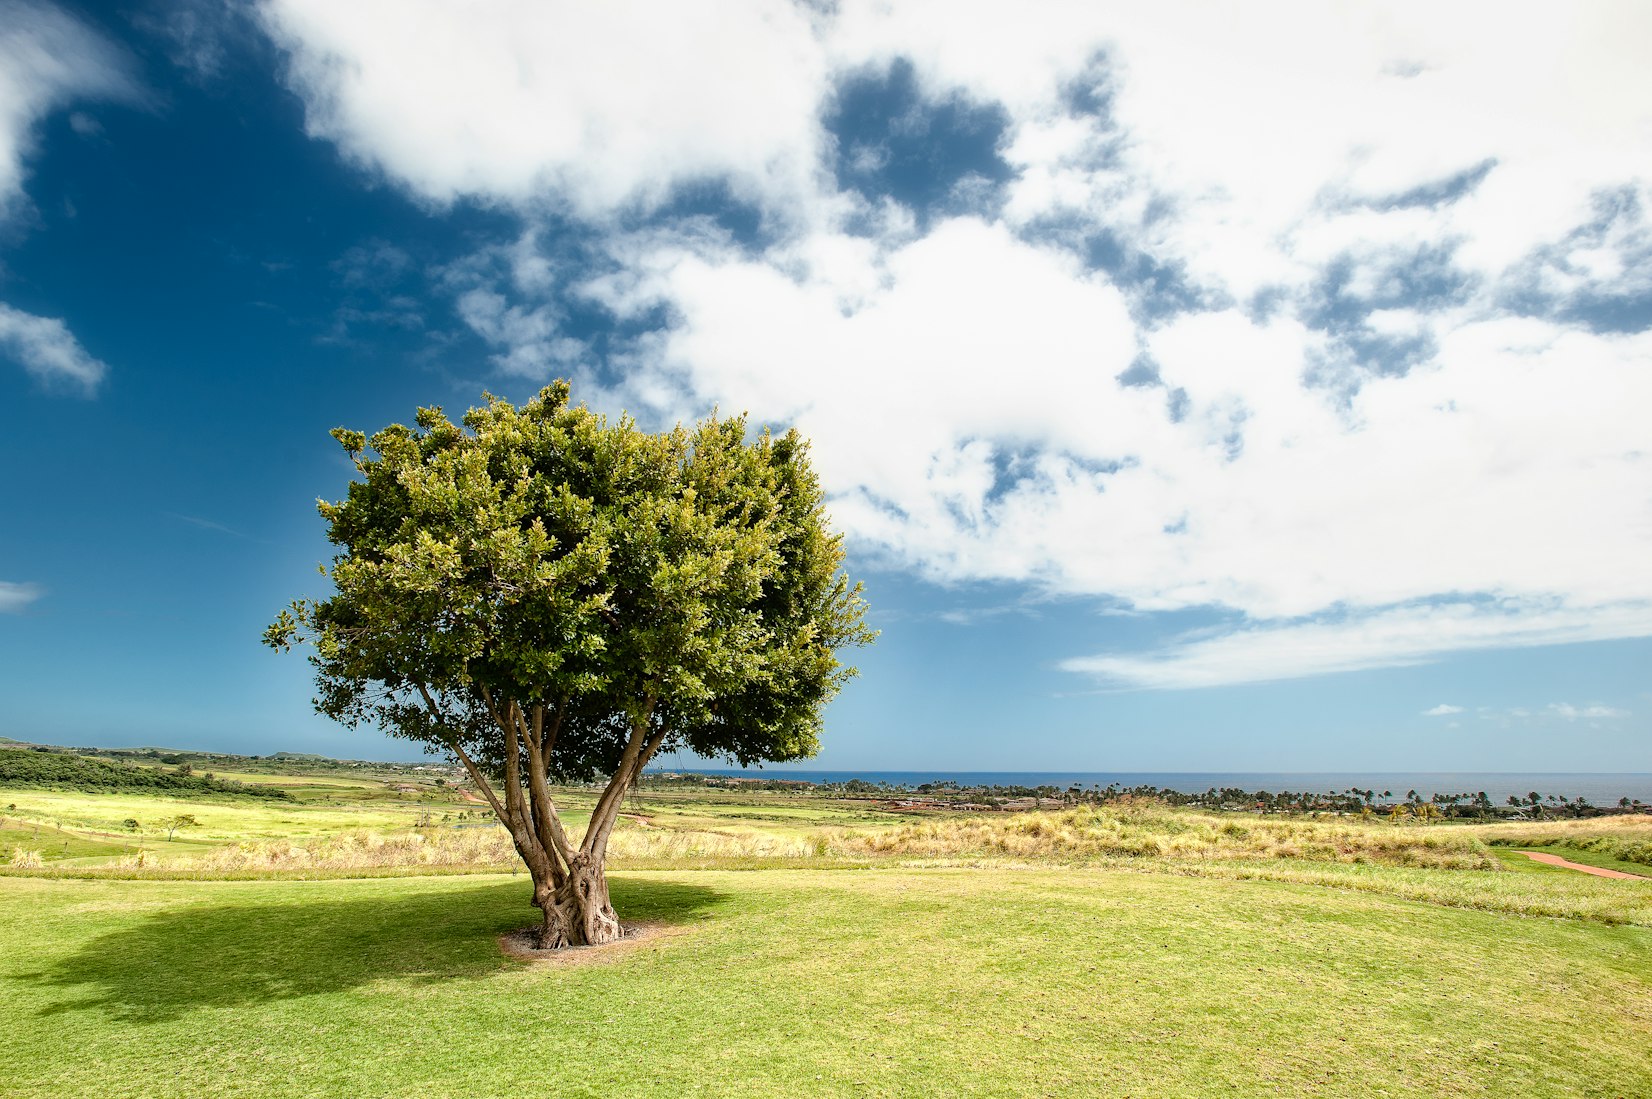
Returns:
point(481, 781)
point(651, 747)
point(551, 834)
point(607, 807)
point(521, 821)
point(471, 769)
point(549, 744)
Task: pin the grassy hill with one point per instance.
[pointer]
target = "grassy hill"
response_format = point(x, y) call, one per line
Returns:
point(59, 770)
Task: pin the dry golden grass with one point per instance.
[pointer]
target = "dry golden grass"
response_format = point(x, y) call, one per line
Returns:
point(690, 845)
point(1151, 830)
point(1536, 833)
point(1141, 830)
point(1627, 839)
point(480, 847)
point(488, 847)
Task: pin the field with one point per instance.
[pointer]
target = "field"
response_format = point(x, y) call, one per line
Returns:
point(806, 946)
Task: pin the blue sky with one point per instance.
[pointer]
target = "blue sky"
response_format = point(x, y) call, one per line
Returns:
point(1197, 389)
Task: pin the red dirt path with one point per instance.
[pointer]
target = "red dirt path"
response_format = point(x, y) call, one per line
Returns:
point(1597, 871)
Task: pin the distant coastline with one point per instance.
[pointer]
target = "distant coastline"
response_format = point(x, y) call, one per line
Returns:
point(1600, 788)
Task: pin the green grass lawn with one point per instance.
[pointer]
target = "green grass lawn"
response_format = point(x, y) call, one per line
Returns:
point(54, 843)
point(781, 982)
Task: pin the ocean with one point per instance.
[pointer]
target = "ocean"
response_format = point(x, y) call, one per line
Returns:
point(1597, 788)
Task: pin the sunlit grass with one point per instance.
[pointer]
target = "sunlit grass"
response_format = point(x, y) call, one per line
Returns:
point(1149, 830)
point(801, 983)
point(219, 820)
point(1448, 865)
point(51, 842)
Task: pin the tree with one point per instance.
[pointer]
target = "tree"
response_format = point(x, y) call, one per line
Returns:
point(182, 820)
point(552, 597)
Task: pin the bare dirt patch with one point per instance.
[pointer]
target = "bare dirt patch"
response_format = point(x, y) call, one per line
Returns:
point(1597, 871)
point(519, 945)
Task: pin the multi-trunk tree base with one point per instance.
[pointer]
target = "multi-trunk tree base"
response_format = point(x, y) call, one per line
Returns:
point(577, 910)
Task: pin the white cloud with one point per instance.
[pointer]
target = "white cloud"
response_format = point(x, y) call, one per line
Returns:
point(1568, 712)
point(1485, 484)
point(1388, 638)
point(1442, 710)
point(596, 105)
point(15, 597)
point(967, 413)
point(46, 348)
point(47, 59)
point(1269, 135)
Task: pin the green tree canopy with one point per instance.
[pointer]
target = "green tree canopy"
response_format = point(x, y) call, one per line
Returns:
point(551, 596)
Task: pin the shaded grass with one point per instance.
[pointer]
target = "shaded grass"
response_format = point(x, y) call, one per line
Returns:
point(997, 982)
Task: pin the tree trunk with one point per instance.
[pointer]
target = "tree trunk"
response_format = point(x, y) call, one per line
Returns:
point(577, 912)
point(569, 885)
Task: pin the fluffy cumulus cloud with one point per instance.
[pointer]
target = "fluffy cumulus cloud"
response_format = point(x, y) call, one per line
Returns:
point(1334, 320)
point(599, 106)
point(47, 60)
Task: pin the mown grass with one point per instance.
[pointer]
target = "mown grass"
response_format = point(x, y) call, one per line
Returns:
point(959, 982)
point(1562, 894)
point(51, 842)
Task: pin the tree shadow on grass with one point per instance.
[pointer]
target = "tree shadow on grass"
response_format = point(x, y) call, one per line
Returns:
point(319, 938)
